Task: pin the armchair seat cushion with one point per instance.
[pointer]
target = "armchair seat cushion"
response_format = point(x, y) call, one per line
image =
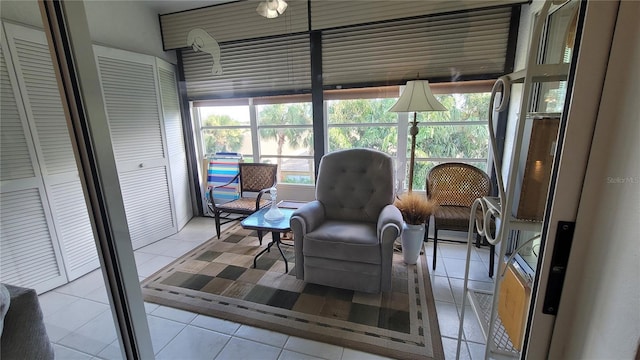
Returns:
point(344, 240)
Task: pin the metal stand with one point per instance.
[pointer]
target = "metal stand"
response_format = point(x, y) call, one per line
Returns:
point(276, 240)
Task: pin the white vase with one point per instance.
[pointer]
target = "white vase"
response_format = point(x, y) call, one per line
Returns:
point(412, 238)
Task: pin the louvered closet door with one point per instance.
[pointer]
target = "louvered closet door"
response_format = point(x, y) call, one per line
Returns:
point(129, 88)
point(175, 142)
point(48, 125)
point(29, 251)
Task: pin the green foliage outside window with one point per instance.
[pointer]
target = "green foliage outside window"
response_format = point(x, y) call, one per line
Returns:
point(286, 114)
point(222, 140)
point(359, 112)
point(446, 141)
point(348, 128)
point(452, 141)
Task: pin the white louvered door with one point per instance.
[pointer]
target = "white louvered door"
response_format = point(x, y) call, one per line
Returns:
point(29, 251)
point(131, 96)
point(48, 127)
point(175, 142)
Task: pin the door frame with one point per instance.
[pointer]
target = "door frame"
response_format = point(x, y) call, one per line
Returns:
point(568, 174)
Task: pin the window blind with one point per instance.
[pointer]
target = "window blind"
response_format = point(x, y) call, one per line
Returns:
point(327, 14)
point(231, 22)
point(444, 46)
point(251, 68)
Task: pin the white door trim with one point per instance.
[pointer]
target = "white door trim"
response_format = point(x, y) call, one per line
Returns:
point(588, 81)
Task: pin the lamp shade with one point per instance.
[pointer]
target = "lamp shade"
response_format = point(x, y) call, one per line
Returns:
point(417, 97)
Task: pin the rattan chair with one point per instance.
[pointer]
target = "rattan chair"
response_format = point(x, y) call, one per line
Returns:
point(454, 187)
point(254, 178)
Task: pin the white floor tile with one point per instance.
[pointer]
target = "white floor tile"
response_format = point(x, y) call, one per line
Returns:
point(261, 335)
point(215, 324)
point(53, 301)
point(196, 235)
point(67, 320)
point(84, 285)
point(476, 350)
point(169, 247)
point(178, 315)
point(477, 270)
point(99, 295)
point(448, 319)
point(162, 331)
point(292, 355)
point(314, 348)
point(160, 247)
point(350, 354)
point(64, 353)
point(472, 329)
point(457, 287)
point(71, 308)
point(94, 336)
point(238, 348)
point(450, 349)
point(194, 343)
point(153, 265)
point(457, 251)
point(149, 307)
point(111, 352)
point(440, 269)
point(142, 257)
point(441, 289)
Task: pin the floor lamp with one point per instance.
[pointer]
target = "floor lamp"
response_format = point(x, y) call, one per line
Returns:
point(416, 97)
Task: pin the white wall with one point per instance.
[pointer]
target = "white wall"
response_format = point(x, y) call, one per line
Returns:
point(600, 311)
point(23, 12)
point(126, 25)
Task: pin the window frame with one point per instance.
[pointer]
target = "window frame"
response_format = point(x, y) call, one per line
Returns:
point(402, 124)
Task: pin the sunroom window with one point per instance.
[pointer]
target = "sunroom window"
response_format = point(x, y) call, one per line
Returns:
point(279, 129)
point(285, 137)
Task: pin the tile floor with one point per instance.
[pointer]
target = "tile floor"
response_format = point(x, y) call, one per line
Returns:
point(79, 323)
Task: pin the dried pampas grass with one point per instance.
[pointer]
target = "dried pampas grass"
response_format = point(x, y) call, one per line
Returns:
point(415, 208)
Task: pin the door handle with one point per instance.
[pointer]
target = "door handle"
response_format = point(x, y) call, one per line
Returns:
point(559, 260)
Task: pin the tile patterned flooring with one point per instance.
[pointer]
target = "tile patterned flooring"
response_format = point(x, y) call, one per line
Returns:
point(79, 323)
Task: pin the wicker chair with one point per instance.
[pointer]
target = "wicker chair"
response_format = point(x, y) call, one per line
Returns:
point(254, 178)
point(455, 186)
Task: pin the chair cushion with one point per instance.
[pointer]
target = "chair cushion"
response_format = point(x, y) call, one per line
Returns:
point(343, 240)
point(243, 204)
point(455, 218)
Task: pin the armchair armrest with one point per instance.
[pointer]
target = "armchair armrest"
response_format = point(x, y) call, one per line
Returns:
point(304, 220)
point(308, 217)
point(389, 223)
point(389, 228)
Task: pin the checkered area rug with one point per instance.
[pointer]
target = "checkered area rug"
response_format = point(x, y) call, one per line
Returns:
point(217, 279)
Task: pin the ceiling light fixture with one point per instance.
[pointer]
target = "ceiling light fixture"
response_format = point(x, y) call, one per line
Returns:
point(271, 8)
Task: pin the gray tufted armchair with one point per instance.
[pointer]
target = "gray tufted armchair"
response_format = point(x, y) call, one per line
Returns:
point(345, 237)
